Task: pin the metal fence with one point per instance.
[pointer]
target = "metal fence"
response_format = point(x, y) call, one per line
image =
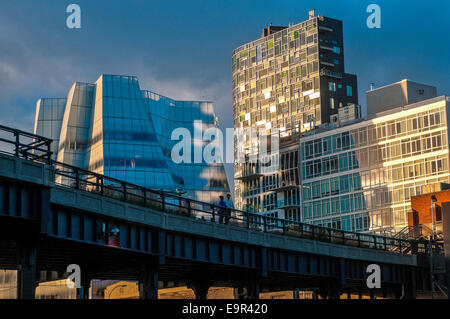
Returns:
point(26, 145)
point(37, 148)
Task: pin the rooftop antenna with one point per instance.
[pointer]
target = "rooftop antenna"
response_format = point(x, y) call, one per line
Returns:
point(372, 86)
point(311, 13)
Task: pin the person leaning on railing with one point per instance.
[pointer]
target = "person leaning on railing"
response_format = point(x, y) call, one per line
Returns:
point(230, 207)
point(222, 210)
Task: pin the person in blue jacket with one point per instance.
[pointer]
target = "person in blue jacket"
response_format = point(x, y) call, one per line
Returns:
point(222, 210)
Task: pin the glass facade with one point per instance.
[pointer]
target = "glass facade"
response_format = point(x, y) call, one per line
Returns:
point(114, 128)
point(206, 181)
point(290, 79)
point(49, 115)
point(361, 177)
point(74, 135)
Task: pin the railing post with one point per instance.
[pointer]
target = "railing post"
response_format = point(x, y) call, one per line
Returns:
point(430, 248)
point(213, 213)
point(163, 202)
point(312, 232)
point(359, 239)
point(247, 219)
point(384, 241)
point(77, 178)
point(97, 183)
point(124, 185)
point(17, 143)
point(264, 217)
point(49, 152)
point(102, 185)
point(329, 235)
point(144, 191)
point(283, 224)
point(188, 203)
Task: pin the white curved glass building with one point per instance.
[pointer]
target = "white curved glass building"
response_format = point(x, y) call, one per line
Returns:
point(112, 127)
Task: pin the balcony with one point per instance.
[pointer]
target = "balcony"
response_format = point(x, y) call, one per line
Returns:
point(325, 48)
point(327, 63)
point(283, 204)
point(287, 185)
point(251, 192)
point(325, 29)
point(248, 175)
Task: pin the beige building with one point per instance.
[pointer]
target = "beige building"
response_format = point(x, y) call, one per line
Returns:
point(397, 94)
point(361, 176)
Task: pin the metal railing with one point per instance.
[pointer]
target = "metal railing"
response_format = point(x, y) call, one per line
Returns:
point(414, 232)
point(26, 145)
point(75, 177)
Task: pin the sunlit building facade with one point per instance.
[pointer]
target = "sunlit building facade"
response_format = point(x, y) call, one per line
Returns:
point(114, 128)
point(8, 284)
point(49, 115)
point(361, 176)
point(291, 79)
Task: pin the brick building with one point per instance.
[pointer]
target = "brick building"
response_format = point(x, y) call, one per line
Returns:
point(421, 209)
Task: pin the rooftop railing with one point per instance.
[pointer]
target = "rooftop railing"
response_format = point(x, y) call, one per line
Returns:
point(38, 149)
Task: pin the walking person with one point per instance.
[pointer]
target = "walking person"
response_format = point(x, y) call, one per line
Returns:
point(222, 209)
point(230, 207)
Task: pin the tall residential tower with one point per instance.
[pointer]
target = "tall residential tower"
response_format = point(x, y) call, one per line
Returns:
point(293, 79)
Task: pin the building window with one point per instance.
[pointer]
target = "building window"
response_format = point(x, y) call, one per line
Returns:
point(331, 103)
point(332, 86)
point(349, 90)
point(337, 50)
point(336, 61)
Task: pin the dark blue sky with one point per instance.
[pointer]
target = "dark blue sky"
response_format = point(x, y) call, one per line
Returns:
point(182, 49)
